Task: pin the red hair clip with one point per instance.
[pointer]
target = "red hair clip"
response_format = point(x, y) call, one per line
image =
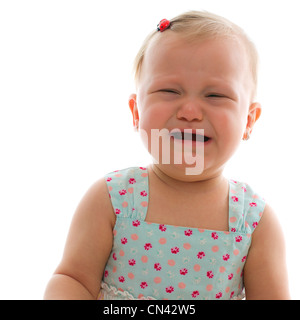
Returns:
point(163, 25)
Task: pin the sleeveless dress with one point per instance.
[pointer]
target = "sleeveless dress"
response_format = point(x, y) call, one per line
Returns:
point(158, 261)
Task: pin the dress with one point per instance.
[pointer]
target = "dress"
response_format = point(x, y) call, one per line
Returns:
point(157, 261)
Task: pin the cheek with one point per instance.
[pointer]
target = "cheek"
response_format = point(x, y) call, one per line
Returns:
point(154, 116)
point(149, 119)
point(229, 126)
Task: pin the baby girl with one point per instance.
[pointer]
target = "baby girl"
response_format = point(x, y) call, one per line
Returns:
point(177, 229)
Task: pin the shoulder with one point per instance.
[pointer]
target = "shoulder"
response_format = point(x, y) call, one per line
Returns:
point(265, 272)
point(95, 202)
point(94, 213)
point(90, 238)
point(269, 228)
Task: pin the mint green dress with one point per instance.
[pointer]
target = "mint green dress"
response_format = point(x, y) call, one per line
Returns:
point(158, 261)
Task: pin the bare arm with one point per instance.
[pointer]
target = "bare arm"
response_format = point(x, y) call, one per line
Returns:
point(265, 273)
point(87, 249)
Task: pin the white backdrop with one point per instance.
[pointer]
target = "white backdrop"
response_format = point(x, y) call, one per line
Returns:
point(65, 77)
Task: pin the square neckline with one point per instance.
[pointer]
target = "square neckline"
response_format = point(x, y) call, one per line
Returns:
point(187, 227)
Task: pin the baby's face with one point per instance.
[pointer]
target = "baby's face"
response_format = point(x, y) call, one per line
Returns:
point(201, 85)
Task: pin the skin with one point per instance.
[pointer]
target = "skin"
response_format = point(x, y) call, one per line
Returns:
point(206, 89)
point(205, 85)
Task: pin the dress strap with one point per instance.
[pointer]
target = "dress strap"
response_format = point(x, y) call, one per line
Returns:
point(245, 208)
point(128, 192)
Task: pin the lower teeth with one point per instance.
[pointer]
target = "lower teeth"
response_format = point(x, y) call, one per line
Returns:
point(189, 136)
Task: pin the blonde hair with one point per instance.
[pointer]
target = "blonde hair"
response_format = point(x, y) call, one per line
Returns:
point(199, 25)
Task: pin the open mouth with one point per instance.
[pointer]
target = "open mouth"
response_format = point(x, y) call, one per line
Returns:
point(189, 136)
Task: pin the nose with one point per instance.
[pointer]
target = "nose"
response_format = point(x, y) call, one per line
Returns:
point(190, 111)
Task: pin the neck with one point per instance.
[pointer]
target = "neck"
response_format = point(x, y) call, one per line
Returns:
point(198, 184)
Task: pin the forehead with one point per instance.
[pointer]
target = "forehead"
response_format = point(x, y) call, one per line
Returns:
point(169, 53)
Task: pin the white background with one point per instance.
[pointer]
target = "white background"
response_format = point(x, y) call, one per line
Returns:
point(65, 77)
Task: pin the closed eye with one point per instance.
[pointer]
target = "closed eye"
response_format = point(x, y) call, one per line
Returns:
point(169, 91)
point(216, 95)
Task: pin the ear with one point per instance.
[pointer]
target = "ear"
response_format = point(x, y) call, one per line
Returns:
point(133, 107)
point(253, 115)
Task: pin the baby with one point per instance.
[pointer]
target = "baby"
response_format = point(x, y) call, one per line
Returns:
point(176, 229)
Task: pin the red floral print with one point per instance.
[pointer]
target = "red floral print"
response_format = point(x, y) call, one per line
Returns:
point(209, 274)
point(183, 271)
point(124, 240)
point(132, 181)
point(143, 193)
point(169, 289)
point(148, 246)
point(162, 227)
point(219, 295)
point(175, 250)
point(144, 284)
point(226, 257)
point(195, 293)
point(214, 235)
point(157, 266)
point(122, 192)
point(136, 223)
point(121, 279)
point(188, 232)
point(131, 262)
point(238, 239)
point(200, 255)
point(235, 199)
